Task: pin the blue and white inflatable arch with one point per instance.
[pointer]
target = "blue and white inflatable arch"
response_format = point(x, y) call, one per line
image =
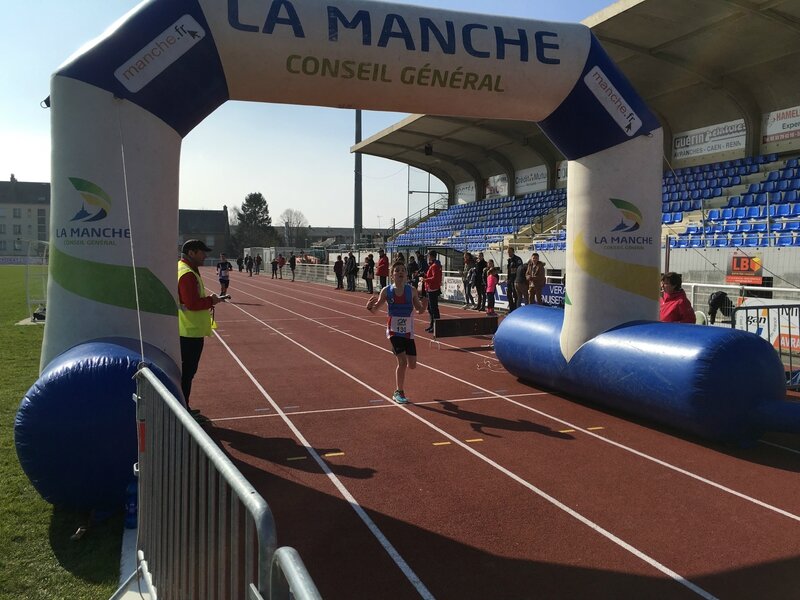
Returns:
point(121, 108)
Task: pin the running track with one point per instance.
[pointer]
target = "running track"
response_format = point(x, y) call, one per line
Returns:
point(484, 487)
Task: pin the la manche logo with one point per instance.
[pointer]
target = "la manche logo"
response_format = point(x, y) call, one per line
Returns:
point(95, 197)
point(630, 221)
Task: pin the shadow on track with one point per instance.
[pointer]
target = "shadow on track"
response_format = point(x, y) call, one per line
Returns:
point(281, 451)
point(480, 422)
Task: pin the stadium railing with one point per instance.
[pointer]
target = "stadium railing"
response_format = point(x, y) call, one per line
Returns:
point(204, 531)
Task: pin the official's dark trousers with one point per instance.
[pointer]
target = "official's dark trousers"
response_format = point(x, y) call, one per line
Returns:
point(191, 349)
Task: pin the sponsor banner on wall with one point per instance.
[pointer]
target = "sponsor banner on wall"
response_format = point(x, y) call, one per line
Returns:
point(553, 294)
point(465, 192)
point(781, 125)
point(561, 171)
point(531, 180)
point(496, 185)
point(722, 137)
point(745, 269)
point(779, 326)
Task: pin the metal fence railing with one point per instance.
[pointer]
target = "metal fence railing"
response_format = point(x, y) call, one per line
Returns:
point(205, 532)
point(779, 324)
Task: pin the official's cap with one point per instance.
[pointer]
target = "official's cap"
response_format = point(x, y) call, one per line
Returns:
point(190, 245)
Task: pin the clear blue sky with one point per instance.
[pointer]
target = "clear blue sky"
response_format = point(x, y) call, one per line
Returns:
point(242, 147)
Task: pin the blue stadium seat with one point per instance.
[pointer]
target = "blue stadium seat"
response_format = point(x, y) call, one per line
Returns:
point(795, 210)
point(792, 226)
point(761, 199)
point(776, 226)
point(695, 242)
point(769, 186)
point(753, 212)
point(783, 185)
point(714, 214)
point(775, 197)
point(795, 184)
point(731, 227)
point(720, 241)
point(785, 239)
point(666, 218)
point(738, 213)
point(686, 205)
point(752, 240)
point(790, 196)
point(737, 240)
point(773, 176)
point(744, 227)
point(792, 163)
point(784, 210)
point(734, 201)
point(677, 217)
point(683, 242)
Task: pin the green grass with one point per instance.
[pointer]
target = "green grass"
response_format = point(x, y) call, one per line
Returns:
point(37, 558)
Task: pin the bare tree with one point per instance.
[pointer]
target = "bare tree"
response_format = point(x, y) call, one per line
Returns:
point(295, 228)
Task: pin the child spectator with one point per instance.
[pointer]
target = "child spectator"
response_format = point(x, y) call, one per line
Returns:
point(491, 285)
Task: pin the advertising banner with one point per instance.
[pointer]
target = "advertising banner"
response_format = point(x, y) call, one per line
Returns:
point(722, 137)
point(497, 185)
point(745, 269)
point(553, 294)
point(781, 125)
point(531, 180)
point(465, 192)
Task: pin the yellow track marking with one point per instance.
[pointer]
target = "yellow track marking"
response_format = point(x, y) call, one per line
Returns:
point(566, 431)
point(329, 454)
point(594, 428)
point(441, 443)
point(474, 440)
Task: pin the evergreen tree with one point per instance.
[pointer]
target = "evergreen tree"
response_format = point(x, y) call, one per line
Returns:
point(255, 225)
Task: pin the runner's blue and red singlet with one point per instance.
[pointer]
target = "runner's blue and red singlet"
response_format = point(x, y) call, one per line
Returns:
point(400, 322)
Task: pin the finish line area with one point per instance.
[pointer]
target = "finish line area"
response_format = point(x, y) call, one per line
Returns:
point(483, 486)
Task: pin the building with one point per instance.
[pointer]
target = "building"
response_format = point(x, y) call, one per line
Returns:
point(209, 226)
point(24, 215)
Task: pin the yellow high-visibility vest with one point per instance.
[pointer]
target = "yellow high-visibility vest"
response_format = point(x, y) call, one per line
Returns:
point(193, 323)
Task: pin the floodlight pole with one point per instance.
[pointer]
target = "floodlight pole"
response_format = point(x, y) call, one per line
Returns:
point(357, 193)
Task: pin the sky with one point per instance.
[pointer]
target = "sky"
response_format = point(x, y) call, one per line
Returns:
point(242, 147)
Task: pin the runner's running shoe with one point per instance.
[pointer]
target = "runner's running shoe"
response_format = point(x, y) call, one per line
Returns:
point(399, 397)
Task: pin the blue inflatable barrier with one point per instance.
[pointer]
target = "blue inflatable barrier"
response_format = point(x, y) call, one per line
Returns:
point(720, 384)
point(75, 430)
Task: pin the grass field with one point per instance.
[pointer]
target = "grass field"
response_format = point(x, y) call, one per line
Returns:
point(37, 558)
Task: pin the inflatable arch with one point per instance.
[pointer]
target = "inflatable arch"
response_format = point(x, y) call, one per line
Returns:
point(121, 108)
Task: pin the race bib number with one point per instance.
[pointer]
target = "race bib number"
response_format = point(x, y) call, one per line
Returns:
point(402, 325)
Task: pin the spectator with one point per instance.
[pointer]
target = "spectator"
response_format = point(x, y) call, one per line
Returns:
point(258, 262)
point(480, 282)
point(368, 272)
point(240, 263)
point(292, 263)
point(224, 269)
point(248, 263)
point(492, 280)
point(281, 264)
point(350, 271)
point(195, 321)
point(514, 262)
point(382, 270)
point(674, 305)
point(402, 299)
point(468, 279)
point(338, 270)
point(413, 271)
point(274, 265)
point(536, 277)
point(521, 285)
point(433, 287)
point(716, 302)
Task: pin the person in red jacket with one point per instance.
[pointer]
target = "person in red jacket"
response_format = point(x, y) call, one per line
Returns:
point(674, 305)
point(382, 269)
point(433, 287)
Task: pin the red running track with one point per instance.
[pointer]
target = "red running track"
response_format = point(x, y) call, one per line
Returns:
point(484, 487)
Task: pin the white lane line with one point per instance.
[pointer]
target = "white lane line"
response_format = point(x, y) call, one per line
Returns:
point(374, 406)
point(393, 553)
point(541, 493)
point(601, 438)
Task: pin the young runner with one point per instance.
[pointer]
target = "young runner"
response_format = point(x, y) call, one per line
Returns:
point(224, 269)
point(401, 299)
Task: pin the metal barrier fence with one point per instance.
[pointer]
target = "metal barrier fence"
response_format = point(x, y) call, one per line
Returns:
point(205, 531)
point(779, 324)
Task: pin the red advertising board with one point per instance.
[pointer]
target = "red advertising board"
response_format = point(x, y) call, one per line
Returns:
point(745, 269)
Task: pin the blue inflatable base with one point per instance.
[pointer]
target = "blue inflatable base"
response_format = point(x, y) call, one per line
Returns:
point(720, 384)
point(75, 430)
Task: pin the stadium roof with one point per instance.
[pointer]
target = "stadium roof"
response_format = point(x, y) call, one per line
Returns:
point(695, 62)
